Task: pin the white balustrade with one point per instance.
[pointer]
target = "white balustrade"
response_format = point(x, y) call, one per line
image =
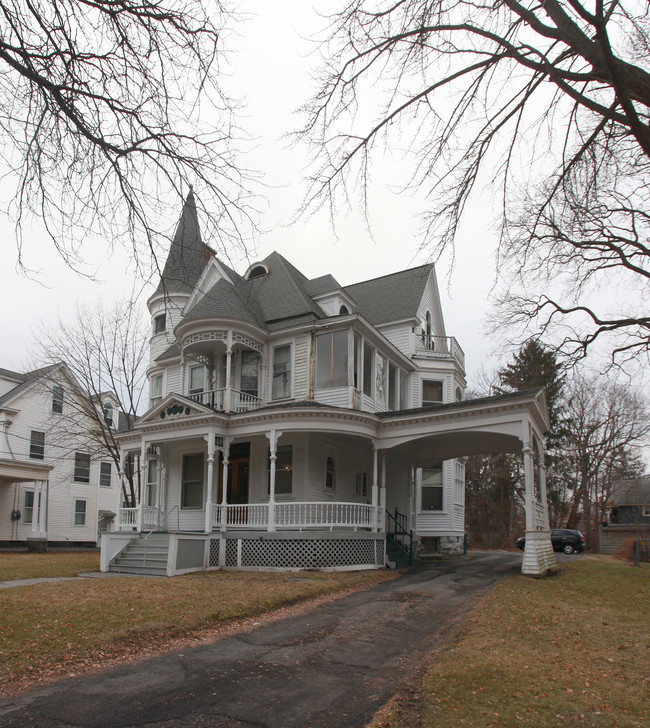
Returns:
point(128, 517)
point(150, 516)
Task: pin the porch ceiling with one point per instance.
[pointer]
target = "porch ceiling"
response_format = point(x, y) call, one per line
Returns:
point(424, 451)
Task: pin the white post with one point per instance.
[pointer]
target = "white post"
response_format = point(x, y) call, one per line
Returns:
point(375, 486)
point(273, 437)
point(382, 493)
point(529, 486)
point(42, 511)
point(143, 484)
point(227, 404)
point(36, 506)
point(224, 483)
point(121, 488)
point(208, 501)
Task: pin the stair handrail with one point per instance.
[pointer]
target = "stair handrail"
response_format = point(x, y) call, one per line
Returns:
point(155, 528)
point(398, 522)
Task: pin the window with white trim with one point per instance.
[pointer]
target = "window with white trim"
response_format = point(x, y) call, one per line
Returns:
point(57, 399)
point(431, 391)
point(156, 389)
point(332, 359)
point(152, 482)
point(28, 506)
point(361, 484)
point(105, 472)
point(368, 368)
point(80, 508)
point(37, 445)
point(432, 490)
point(281, 383)
point(192, 480)
point(197, 379)
point(160, 323)
point(330, 474)
point(81, 467)
point(108, 414)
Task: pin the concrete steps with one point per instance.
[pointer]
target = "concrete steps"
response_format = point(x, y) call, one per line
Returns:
point(147, 557)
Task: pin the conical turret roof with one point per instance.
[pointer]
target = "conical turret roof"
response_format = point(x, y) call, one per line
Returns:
point(187, 255)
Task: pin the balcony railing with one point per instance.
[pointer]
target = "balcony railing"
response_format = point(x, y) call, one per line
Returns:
point(438, 347)
point(218, 399)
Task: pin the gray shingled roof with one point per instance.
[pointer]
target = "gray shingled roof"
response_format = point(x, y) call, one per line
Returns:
point(224, 299)
point(634, 492)
point(392, 297)
point(322, 284)
point(187, 255)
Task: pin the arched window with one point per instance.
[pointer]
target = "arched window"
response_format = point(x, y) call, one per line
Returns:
point(330, 474)
point(343, 310)
point(257, 270)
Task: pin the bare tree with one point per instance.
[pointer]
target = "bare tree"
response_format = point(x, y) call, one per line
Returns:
point(111, 107)
point(608, 423)
point(106, 352)
point(546, 101)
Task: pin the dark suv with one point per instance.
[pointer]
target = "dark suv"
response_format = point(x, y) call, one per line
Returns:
point(563, 539)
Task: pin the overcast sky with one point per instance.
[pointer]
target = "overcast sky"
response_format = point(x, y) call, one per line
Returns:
point(272, 71)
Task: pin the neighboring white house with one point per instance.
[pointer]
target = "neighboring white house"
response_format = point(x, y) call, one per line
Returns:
point(334, 415)
point(54, 486)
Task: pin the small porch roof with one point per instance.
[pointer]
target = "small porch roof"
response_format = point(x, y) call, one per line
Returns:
point(19, 471)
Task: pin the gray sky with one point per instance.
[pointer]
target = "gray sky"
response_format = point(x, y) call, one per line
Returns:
point(272, 70)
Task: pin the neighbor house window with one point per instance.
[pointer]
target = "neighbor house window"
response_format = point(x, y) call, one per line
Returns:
point(80, 513)
point(281, 385)
point(646, 511)
point(155, 384)
point(197, 379)
point(192, 481)
point(57, 399)
point(432, 488)
point(37, 445)
point(330, 474)
point(283, 470)
point(160, 324)
point(332, 360)
point(81, 467)
point(105, 470)
point(431, 392)
point(28, 506)
point(108, 414)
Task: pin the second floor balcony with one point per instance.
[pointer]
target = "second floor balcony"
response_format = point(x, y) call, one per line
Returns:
point(428, 346)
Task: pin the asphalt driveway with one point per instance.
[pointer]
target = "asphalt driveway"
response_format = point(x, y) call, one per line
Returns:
point(332, 667)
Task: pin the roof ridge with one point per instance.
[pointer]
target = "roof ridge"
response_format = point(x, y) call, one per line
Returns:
point(390, 275)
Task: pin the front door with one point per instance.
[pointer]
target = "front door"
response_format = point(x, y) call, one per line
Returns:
point(238, 468)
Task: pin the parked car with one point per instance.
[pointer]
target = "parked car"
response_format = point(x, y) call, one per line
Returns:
point(563, 539)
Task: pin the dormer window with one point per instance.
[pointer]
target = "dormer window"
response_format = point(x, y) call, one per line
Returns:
point(108, 414)
point(257, 270)
point(344, 310)
point(160, 324)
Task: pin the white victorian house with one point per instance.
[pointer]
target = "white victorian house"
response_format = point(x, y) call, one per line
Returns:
point(57, 486)
point(298, 423)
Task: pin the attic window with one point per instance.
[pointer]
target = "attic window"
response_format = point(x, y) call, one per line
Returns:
point(257, 270)
point(343, 310)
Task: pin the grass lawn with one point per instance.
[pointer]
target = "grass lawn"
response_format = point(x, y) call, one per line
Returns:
point(572, 650)
point(57, 629)
point(34, 566)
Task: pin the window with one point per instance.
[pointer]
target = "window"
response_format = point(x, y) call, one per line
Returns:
point(152, 482)
point(646, 511)
point(37, 445)
point(330, 474)
point(249, 372)
point(283, 470)
point(403, 390)
point(281, 386)
point(368, 366)
point(160, 324)
point(432, 488)
point(431, 392)
point(57, 399)
point(197, 379)
point(361, 484)
point(81, 467)
point(393, 379)
point(108, 414)
point(80, 513)
point(459, 395)
point(257, 271)
point(343, 310)
point(28, 506)
point(332, 360)
point(156, 383)
point(105, 470)
point(192, 481)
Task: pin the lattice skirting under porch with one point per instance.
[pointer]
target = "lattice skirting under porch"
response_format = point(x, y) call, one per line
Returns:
point(312, 552)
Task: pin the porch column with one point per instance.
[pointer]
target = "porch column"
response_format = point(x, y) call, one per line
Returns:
point(208, 501)
point(375, 486)
point(36, 507)
point(42, 510)
point(529, 486)
point(224, 483)
point(382, 492)
point(122, 487)
point(542, 480)
point(227, 403)
point(273, 437)
point(143, 480)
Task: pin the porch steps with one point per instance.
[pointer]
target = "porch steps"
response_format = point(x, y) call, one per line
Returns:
point(148, 558)
point(396, 556)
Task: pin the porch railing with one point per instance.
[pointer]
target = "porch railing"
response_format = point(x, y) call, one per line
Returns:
point(438, 347)
point(128, 517)
point(216, 398)
point(298, 515)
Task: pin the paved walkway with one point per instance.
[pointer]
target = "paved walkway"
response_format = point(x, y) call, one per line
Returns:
point(90, 575)
point(331, 667)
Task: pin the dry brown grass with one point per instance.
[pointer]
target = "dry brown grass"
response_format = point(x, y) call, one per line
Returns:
point(60, 628)
point(573, 650)
point(36, 566)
